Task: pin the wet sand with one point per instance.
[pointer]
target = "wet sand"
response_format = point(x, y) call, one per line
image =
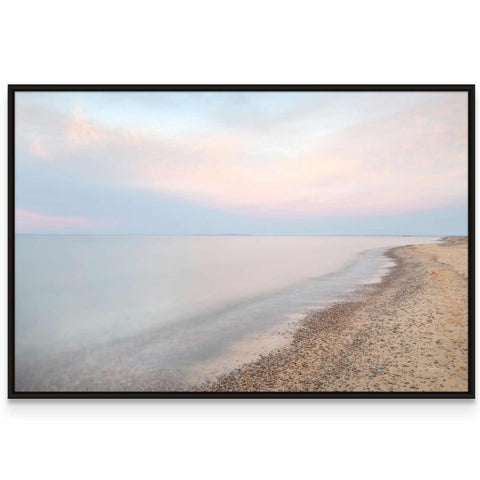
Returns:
point(408, 334)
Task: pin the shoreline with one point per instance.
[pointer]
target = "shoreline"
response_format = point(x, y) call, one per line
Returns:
point(406, 333)
point(274, 338)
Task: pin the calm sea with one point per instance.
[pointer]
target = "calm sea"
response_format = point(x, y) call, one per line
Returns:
point(103, 313)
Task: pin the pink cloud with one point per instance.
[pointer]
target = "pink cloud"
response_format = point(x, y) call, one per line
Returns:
point(28, 221)
point(82, 133)
point(39, 150)
point(404, 161)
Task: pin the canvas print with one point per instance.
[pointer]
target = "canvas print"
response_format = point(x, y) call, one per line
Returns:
point(240, 241)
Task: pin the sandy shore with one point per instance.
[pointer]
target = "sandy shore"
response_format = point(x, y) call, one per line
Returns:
point(409, 334)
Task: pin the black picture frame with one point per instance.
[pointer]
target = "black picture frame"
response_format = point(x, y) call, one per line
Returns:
point(470, 89)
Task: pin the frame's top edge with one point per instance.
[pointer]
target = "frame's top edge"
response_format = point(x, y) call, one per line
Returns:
point(244, 87)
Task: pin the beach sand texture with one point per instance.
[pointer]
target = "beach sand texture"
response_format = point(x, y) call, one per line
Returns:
point(408, 334)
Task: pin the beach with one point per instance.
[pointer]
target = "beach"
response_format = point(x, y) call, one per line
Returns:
point(409, 333)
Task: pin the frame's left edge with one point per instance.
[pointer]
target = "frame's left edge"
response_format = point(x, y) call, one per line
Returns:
point(11, 241)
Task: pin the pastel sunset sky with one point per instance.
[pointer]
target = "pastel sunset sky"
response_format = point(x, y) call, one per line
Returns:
point(267, 163)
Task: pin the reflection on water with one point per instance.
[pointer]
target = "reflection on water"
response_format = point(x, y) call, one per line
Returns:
point(142, 313)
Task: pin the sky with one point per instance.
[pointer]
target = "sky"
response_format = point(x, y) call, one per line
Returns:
point(261, 163)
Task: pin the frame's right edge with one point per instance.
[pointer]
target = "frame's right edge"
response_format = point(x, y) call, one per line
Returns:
point(471, 241)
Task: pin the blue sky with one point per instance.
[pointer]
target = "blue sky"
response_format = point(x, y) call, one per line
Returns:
point(306, 163)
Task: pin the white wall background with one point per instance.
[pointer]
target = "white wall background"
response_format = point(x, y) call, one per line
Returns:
point(235, 42)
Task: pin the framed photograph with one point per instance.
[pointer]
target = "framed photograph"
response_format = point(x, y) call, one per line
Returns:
point(241, 241)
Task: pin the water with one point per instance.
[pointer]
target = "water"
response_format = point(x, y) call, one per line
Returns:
point(106, 313)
